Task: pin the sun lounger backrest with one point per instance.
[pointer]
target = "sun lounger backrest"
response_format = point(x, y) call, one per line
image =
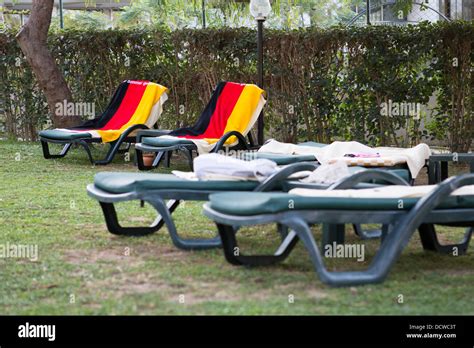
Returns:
point(233, 107)
point(134, 102)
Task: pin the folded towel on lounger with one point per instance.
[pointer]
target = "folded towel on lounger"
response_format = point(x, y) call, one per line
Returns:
point(219, 167)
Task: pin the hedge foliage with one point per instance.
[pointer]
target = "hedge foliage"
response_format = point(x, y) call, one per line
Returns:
point(323, 84)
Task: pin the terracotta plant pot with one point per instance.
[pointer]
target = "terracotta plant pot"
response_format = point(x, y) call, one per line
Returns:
point(148, 159)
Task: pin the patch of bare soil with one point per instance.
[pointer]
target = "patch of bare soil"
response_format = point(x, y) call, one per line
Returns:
point(459, 272)
point(123, 282)
point(80, 257)
point(196, 292)
point(131, 255)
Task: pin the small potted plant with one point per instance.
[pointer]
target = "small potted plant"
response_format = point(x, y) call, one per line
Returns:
point(148, 158)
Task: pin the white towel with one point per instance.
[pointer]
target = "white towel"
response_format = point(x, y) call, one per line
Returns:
point(328, 173)
point(214, 165)
point(390, 191)
point(415, 157)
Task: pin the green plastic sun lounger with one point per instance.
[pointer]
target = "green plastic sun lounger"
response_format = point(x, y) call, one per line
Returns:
point(285, 159)
point(136, 105)
point(401, 216)
point(219, 127)
point(109, 188)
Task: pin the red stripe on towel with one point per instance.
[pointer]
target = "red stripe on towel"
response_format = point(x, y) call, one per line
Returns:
point(128, 106)
point(225, 105)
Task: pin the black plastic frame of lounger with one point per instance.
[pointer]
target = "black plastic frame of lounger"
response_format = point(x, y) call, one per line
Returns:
point(187, 149)
point(85, 143)
point(438, 165)
point(156, 198)
point(401, 226)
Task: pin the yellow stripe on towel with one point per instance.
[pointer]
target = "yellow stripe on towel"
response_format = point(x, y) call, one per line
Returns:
point(245, 111)
point(151, 96)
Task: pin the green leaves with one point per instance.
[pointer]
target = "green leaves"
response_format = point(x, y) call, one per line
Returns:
point(333, 80)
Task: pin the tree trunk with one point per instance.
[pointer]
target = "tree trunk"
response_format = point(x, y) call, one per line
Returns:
point(32, 39)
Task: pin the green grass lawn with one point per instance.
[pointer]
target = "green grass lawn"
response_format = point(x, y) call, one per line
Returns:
point(83, 269)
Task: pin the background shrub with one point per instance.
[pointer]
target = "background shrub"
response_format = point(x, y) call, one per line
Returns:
point(323, 84)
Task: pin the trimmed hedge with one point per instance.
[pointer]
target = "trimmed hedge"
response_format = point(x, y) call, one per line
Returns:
point(323, 84)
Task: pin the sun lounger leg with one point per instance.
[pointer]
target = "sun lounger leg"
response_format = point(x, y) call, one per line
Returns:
point(432, 172)
point(333, 234)
point(114, 226)
point(126, 149)
point(115, 145)
point(158, 159)
point(367, 234)
point(189, 157)
point(393, 243)
point(171, 205)
point(87, 149)
point(186, 244)
point(283, 231)
point(140, 163)
point(139, 160)
point(168, 156)
point(429, 240)
point(113, 150)
point(47, 154)
point(372, 275)
point(234, 256)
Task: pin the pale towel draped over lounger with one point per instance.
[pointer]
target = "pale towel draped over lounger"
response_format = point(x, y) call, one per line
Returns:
point(415, 157)
point(392, 191)
point(219, 167)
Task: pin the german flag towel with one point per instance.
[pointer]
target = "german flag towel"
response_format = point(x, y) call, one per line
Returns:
point(134, 102)
point(233, 107)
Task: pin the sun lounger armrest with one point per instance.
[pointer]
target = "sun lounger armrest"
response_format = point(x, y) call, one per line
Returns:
point(151, 133)
point(425, 206)
point(370, 174)
point(274, 180)
point(221, 143)
point(131, 129)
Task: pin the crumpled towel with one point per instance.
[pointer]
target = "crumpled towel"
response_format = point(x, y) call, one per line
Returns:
point(414, 157)
point(219, 167)
point(328, 173)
